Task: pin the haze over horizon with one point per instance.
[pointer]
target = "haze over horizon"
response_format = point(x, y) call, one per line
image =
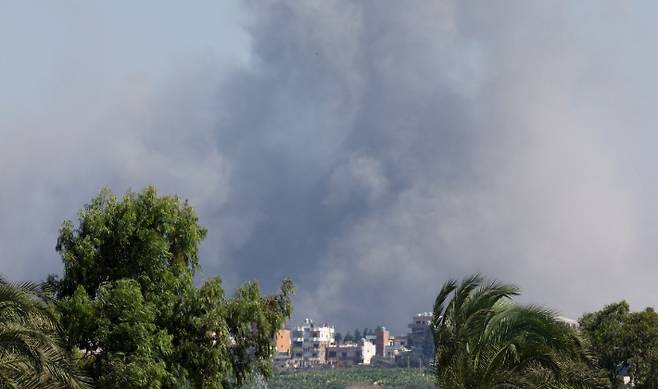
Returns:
point(369, 150)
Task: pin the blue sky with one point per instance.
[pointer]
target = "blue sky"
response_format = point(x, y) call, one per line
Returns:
point(368, 149)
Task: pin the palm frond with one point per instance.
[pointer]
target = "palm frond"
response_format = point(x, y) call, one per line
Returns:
point(484, 340)
point(31, 350)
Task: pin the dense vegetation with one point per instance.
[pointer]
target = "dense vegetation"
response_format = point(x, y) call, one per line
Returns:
point(484, 340)
point(625, 342)
point(342, 378)
point(32, 354)
point(127, 313)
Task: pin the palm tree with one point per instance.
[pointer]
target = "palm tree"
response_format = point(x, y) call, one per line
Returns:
point(484, 340)
point(31, 351)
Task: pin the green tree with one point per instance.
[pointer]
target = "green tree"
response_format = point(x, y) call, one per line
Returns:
point(484, 340)
point(338, 337)
point(31, 350)
point(128, 300)
point(604, 329)
point(641, 338)
point(348, 337)
point(357, 335)
point(622, 339)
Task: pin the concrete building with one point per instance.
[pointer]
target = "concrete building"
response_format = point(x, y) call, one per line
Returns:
point(400, 340)
point(381, 341)
point(419, 329)
point(310, 343)
point(351, 354)
point(395, 350)
point(282, 341)
point(419, 339)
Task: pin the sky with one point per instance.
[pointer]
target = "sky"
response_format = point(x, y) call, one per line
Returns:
point(370, 150)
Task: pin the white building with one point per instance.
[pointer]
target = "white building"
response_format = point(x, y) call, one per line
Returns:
point(310, 343)
point(351, 354)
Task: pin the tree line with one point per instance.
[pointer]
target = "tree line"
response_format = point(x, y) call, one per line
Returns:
point(353, 336)
point(483, 339)
point(126, 312)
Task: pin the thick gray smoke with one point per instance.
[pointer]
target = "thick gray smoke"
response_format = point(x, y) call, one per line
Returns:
point(373, 149)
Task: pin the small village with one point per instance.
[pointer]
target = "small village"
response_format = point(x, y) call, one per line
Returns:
point(313, 345)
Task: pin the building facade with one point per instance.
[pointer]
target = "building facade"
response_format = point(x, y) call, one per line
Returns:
point(283, 341)
point(399, 341)
point(310, 343)
point(419, 339)
point(381, 341)
point(351, 354)
point(419, 329)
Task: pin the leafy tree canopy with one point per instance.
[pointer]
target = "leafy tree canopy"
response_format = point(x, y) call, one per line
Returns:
point(625, 341)
point(357, 335)
point(348, 337)
point(130, 304)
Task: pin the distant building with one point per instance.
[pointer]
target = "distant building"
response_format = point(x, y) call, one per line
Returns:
point(310, 343)
point(282, 341)
point(419, 328)
point(381, 341)
point(419, 339)
point(399, 341)
point(395, 350)
point(351, 354)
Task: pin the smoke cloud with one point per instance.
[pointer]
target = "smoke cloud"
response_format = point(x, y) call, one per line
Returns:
point(370, 150)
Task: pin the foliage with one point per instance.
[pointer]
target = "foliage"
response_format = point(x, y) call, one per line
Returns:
point(622, 339)
point(342, 378)
point(357, 335)
point(128, 300)
point(144, 236)
point(573, 375)
point(31, 350)
point(483, 340)
point(604, 330)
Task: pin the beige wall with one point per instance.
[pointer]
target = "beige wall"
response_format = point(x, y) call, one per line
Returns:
point(282, 341)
